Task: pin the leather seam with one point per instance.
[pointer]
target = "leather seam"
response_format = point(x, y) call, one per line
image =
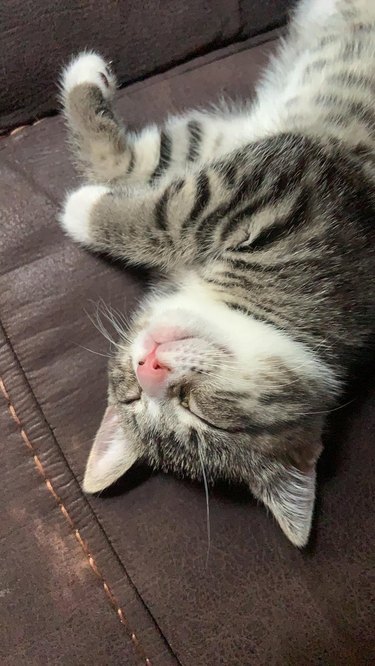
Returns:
point(94, 515)
point(84, 545)
point(19, 128)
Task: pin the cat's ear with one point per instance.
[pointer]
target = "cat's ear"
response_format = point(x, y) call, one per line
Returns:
point(291, 497)
point(284, 479)
point(111, 455)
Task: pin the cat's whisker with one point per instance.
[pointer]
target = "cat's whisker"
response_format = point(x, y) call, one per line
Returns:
point(98, 324)
point(92, 351)
point(109, 315)
point(118, 320)
point(327, 411)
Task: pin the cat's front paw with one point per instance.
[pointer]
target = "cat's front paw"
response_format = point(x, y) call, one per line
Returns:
point(76, 216)
point(91, 68)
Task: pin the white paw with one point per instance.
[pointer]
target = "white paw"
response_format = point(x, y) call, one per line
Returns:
point(75, 218)
point(88, 67)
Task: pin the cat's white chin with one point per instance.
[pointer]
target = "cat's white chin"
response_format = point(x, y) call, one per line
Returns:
point(75, 217)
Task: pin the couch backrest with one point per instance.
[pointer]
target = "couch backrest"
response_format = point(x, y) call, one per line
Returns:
point(141, 36)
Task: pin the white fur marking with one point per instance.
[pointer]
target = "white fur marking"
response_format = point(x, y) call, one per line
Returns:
point(75, 218)
point(88, 68)
point(293, 506)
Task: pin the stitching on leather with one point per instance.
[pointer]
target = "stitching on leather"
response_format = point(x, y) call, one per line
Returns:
point(15, 130)
point(91, 561)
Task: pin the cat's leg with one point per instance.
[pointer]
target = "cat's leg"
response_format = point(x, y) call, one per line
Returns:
point(163, 227)
point(239, 203)
point(109, 154)
point(105, 151)
point(98, 141)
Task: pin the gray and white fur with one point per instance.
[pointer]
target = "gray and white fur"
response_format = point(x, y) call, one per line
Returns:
point(262, 217)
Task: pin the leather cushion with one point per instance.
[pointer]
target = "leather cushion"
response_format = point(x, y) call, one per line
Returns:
point(259, 600)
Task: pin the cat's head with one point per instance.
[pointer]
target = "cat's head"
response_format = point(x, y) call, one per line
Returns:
point(239, 400)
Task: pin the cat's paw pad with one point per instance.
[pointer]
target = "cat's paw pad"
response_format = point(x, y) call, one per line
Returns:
point(75, 217)
point(89, 68)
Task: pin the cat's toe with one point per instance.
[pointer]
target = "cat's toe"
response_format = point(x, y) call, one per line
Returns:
point(76, 214)
point(91, 68)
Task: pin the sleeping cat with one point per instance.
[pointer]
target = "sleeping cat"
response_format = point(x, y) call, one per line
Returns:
point(262, 217)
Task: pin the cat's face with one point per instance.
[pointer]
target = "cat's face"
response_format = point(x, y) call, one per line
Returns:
point(183, 398)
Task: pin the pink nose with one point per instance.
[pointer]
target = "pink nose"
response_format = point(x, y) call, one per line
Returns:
point(151, 374)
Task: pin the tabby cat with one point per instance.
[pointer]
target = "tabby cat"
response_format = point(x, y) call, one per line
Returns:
point(262, 217)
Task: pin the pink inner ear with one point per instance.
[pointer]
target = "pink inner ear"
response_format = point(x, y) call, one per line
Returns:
point(107, 431)
point(112, 453)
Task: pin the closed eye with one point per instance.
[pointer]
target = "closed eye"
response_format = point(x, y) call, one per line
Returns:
point(184, 397)
point(186, 403)
point(130, 399)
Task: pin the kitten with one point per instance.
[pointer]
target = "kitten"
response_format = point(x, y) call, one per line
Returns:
point(263, 219)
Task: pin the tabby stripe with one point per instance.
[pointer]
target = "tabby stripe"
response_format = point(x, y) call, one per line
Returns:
point(164, 155)
point(259, 313)
point(203, 195)
point(195, 139)
point(278, 267)
point(229, 174)
point(245, 290)
point(290, 178)
point(284, 225)
point(364, 152)
point(234, 281)
point(161, 217)
point(357, 188)
point(345, 184)
point(208, 223)
point(315, 66)
point(230, 225)
point(285, 181)
point(161, 209)
point(354, 80)
point(247, 309)
point(361, 111)
point(364, 113)
point(282, 180)
point(352, 50)
point(363, 28)
point(202, 198)
point(326, 41)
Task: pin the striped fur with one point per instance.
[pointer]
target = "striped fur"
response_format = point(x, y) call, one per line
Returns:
point(263, 219)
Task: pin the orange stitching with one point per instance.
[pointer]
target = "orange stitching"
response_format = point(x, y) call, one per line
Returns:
point(39, 466)
point(15, 130)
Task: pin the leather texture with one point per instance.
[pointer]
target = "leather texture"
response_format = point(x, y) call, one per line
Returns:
point(38, 38)
point(256, 600)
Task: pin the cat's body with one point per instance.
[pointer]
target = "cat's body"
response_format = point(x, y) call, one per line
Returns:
point(263, 219)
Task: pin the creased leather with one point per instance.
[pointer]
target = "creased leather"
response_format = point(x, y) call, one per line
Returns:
point(259, 602)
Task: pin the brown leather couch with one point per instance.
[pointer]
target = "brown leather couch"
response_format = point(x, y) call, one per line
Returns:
point(123, 578)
